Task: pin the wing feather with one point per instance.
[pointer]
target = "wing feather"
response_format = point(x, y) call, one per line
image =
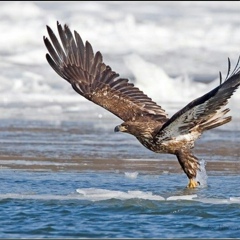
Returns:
point(94, 80)
point(203, 113)
point(60, 55)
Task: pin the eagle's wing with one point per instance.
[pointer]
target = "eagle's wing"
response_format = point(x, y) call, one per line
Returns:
point(203, 113)
point(94, 80)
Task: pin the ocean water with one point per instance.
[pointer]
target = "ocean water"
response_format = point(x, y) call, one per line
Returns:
point(64, 173)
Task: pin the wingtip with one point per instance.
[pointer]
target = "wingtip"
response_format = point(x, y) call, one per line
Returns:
point(49, 30)
point(58, 24)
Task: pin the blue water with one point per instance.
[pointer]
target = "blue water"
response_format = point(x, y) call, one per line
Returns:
point(46, 205)
point(80, 179)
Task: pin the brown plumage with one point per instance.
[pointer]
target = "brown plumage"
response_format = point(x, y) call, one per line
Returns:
point(143, 118)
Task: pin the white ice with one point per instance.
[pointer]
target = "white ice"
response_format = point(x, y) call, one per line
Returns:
point(137, 39)
point(99, 194)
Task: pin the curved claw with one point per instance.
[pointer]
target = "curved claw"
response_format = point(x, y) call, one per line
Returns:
point(192, 184)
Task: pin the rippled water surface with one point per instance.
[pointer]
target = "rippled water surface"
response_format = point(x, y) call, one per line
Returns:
point(60, 182)
point(46, 204)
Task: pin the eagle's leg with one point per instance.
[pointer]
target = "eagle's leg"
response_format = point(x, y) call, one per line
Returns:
point(189, 164)
point(192, 183)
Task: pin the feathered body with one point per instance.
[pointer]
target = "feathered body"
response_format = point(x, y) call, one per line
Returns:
point(148, 122)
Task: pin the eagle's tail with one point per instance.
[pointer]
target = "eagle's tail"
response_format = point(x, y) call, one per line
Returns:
point(216, 120)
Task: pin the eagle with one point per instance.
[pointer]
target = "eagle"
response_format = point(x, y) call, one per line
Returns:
point(143, 118)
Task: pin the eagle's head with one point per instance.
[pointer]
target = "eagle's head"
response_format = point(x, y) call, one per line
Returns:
point(122, 128)
point(138, 129)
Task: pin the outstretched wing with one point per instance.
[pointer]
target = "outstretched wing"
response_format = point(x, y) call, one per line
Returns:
point(203, 113)
point(94, 80)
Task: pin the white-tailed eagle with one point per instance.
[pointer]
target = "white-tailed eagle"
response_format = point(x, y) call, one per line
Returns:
point(143, 118)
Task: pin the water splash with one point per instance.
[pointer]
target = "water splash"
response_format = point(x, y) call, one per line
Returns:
point(131, 175)
point(202, 174)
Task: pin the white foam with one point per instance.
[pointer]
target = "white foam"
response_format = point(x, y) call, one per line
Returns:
point(98, 194)
point(235, 199)
point(164, 89)
point(131, 175)
point(94, 194)
point(213, 200)
point(127, 31)
point(159, 86)
point(184, 197)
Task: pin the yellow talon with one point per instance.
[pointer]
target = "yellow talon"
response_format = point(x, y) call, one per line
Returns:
point(192, 184)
